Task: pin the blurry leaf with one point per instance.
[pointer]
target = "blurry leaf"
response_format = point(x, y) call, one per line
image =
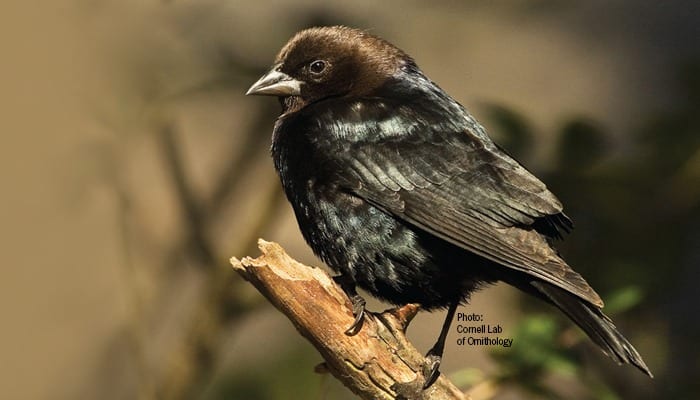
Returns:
point(623, 299)
point(582, 144)
point(513, 131)
point(535, 349)
point(601, 391)
point(466, 377)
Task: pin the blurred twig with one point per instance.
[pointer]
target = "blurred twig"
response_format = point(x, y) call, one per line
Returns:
point(193, 362)
point(190, 206)
point(135, 333)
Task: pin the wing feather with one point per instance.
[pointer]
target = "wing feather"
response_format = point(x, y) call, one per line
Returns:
point(470, 195)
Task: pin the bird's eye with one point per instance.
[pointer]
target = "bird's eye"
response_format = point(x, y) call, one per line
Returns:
point(317, 66)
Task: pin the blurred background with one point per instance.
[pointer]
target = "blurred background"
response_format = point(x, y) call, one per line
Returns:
point(134, 168)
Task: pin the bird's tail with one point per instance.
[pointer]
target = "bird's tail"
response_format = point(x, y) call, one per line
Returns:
point(596, 325)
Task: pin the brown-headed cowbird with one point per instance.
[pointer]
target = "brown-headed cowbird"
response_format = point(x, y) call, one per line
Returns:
point(400, 190)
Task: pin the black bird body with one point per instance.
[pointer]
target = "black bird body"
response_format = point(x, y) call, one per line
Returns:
point(397, 187)
point(320, 172)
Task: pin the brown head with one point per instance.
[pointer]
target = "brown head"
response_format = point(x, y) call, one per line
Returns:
point(330, 61)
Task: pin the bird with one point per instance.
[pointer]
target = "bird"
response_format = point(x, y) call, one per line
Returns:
point(401, 191)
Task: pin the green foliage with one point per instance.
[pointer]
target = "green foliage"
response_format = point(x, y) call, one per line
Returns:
point(515, 131)
point(545, 347)
point(537, 351)
point(467, 377)
point(536, 354)
point(623, 300)
point(285, 377)
point(582, 144)
point(636, 207)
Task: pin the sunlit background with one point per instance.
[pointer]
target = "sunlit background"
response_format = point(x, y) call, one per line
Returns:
point(133, 168)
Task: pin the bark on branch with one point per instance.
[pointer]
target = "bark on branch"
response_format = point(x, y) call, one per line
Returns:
point(378, 362)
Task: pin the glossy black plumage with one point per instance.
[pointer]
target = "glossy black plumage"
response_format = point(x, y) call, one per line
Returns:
point(399, 189)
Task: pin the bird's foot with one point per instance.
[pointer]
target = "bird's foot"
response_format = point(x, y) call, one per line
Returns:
point(414, 389)
point(358, 303)
point(358, 310)
point(431, 368)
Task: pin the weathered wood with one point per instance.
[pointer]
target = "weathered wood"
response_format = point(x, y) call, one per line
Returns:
point(376, 363)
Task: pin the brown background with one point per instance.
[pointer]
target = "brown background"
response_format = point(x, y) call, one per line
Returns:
point(97, 288)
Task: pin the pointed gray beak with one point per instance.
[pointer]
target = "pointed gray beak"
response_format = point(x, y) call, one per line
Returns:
point(275, 83)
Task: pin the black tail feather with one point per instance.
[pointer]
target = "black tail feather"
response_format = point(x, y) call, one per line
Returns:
point(597, 325)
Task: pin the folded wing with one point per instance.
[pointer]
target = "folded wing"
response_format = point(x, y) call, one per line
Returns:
point(469, 193)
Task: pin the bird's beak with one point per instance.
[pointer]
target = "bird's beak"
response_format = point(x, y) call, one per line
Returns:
point(275, 83)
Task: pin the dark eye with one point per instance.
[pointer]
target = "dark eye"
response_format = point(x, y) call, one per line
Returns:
point(317, 66)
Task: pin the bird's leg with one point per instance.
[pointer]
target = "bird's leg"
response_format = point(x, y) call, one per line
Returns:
point(431, 369)
point(358, 303)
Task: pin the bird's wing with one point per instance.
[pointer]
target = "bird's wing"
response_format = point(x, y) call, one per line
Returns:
point(467, 192)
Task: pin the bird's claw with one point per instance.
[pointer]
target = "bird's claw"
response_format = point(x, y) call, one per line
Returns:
point(431, 369)
point(358, 310)
point(358, 303)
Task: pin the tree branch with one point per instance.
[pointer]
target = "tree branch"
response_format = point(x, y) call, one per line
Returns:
point(378, 362)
